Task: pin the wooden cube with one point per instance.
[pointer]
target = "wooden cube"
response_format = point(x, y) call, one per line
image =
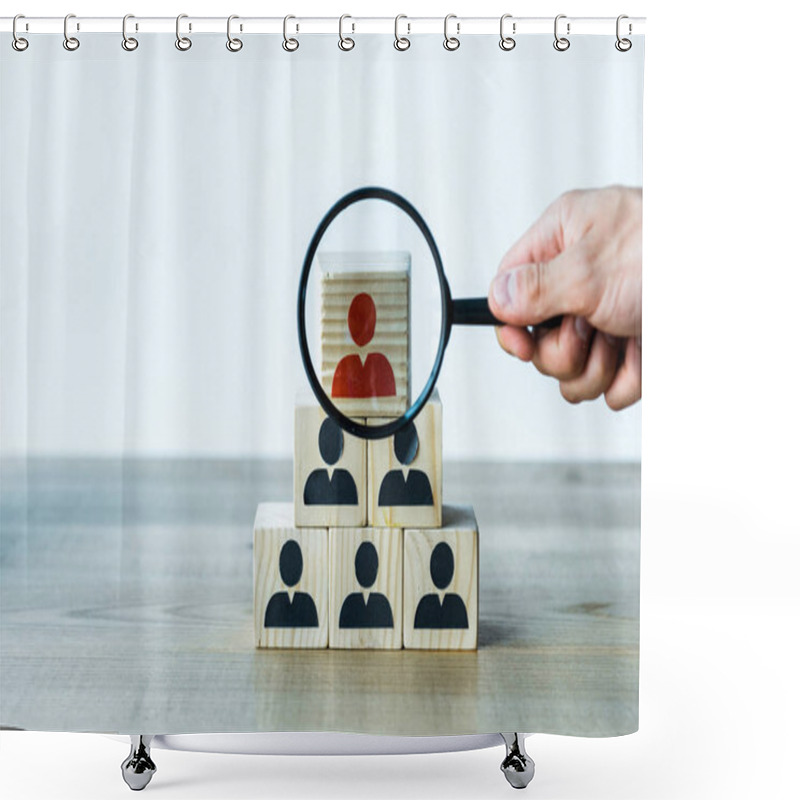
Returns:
point(330, 471)
point(290, 580)
point(366, 588)
point(440, 583)
point(364, 330)
point(405, 473)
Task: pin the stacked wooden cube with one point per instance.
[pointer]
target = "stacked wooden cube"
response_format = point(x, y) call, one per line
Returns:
point(367, 556)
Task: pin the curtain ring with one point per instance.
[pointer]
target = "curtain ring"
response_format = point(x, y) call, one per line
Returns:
point(507, 42)
point(128, 42)
point(18, 43)
point(70, 42)
point(181, 42)
point(234, 45)
point(401, 42)
point(451, 42)
point(623, 45)
point(345, 42)
point(561, 43)
point(289, 45)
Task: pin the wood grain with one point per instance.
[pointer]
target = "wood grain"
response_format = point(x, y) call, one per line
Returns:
point(273, 528)
point(344, 543)
point(385, 277)
point(381, 459)
point(459, 533)
point(308, 419)
point(126, 604)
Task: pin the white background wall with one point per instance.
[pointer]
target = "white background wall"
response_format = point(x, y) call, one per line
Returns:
point(720, 606)
point(153, 243)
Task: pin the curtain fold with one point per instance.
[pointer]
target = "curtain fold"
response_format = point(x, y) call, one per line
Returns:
point(157, 205)
point(155, 210)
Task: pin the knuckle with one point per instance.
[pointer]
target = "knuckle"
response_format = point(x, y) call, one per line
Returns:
point(570, 394)
point(556, 366)
point(498, 332)
point(593, 390)
point(542, 366)
point(571, 361)
point(569, 371)
point(615, 401)
point(570, 197)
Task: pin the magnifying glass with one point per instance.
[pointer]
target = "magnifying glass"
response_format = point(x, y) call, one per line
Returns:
point(375, 302)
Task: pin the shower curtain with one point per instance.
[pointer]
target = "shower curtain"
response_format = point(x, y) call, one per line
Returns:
point(156, 209)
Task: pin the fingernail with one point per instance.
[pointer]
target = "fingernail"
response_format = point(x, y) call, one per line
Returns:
point(583, 329)
point(614, 341)
point(502, 290)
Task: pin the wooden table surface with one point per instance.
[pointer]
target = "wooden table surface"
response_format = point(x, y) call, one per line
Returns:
point(126, 590)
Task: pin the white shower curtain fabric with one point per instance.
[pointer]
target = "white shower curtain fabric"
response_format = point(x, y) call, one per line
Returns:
point(157, 206)
point(155, 210)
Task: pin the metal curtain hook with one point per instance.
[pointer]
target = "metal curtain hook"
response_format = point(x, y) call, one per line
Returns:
point(507, 42)
point(18, 43)
point(623, 45)
point(234, 45)
point(70, 42)
point(561, 43)
point(128, 42)
point(345, 42)
point(401, 42)
point(181, 42)
point(451, 42)
point(289, 44)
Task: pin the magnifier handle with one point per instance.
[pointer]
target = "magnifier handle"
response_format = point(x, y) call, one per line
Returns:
point(475, 311)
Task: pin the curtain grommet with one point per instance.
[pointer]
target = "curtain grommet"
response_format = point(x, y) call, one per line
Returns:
point(507, 42)
point(451, 43)
point(183, 43)
point(289, 43)
point(129, 43)
point(71, 43)
point(561, 43)
point(346, 43)
point(19, 43)
point(233, 44)
point(623, 44)
point(401, 43)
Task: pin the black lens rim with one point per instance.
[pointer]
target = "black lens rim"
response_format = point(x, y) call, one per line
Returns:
point(345, 422)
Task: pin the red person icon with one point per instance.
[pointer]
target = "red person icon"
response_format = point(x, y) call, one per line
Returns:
point(373, 378)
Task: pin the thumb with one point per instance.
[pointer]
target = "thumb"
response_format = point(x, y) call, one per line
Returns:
point(532, 293)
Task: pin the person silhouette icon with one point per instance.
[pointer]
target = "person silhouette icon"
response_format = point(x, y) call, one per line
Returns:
point(398, 490)
point(375, 611)
point(451, 611)
point(373, 378)
point(283, 610)
point(338, 489)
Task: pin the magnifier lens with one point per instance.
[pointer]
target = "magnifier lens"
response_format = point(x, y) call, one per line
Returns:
point(373, 314)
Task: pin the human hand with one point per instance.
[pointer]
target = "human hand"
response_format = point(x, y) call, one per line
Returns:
point(582, 258)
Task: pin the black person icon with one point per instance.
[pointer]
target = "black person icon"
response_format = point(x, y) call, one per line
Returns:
point(339, 489)
point(291, 612)
point(397, 490)
point(451, 611)
point(375, 612)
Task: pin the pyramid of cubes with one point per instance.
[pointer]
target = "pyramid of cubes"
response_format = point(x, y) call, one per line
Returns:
point(366, 556)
